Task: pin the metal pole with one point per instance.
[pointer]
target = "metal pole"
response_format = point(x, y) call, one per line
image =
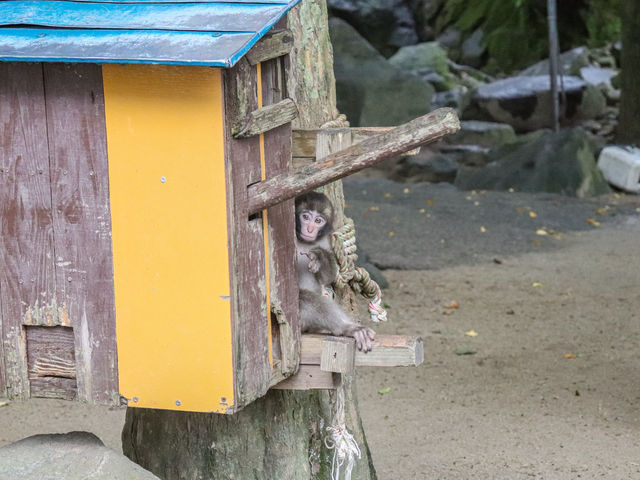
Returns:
point(554, 53)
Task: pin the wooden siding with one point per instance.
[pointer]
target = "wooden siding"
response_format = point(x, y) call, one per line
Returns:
point(55, 243)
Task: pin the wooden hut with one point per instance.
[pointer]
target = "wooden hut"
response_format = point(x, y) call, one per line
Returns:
point(146, 217)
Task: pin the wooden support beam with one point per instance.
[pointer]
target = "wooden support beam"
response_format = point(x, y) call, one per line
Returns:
point(387, 351)
point(304, 141)
point(310, 377)
point(274, 44)
point(393, 143)
point(338, 354)
point(267, 118)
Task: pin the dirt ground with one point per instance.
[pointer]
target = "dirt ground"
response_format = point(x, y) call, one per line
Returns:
point(548, 389)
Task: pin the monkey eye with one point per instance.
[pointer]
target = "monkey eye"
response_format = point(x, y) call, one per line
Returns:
point(306, 216)
point(320, 220)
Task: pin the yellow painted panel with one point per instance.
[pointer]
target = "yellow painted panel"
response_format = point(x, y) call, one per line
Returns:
point(170, 247)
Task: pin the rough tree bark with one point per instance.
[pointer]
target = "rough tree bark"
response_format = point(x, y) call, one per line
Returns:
point(629, 121)
point(280, 436)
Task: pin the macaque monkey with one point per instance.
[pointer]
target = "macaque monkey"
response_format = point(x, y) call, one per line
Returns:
point(317, 268)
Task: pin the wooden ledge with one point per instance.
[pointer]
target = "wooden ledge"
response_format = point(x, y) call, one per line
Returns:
point(387, 351)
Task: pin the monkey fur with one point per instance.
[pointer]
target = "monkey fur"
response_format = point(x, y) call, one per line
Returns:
point(317, 268)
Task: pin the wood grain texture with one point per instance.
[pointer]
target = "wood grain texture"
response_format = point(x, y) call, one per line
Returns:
point(274, 44)
point(250, 332)
point(387, 351)
point(51, 352)
point(267, 118)
point(54, 387)
point(82, 223)
point(281, 230)
point(27, 274)
point(395, 142)
point(338, 355)
point(310, 377)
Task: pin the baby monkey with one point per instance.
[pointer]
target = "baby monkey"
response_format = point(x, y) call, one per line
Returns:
point(317, 268)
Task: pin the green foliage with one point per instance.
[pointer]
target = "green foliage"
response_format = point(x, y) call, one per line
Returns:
point(603, 21)
point(516, 32)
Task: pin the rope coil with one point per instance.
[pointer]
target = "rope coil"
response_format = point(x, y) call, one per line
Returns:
point(343, 242)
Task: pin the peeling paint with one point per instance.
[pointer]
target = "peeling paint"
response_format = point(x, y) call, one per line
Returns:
point(49, 314)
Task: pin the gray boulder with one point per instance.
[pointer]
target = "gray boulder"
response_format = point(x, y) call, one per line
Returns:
point(371, 91)
point(425, 60)
point(561, 162)
point(71, 456)
point(427, 166)
point(386, 24)
point(473, 49)
point(485, 134)
point(570, 63)
point(457, 98)
point(525, 102)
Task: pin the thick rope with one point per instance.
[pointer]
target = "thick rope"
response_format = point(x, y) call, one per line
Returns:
point(344, 445)
point(343, 242)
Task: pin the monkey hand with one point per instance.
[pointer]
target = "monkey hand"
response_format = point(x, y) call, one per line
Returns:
point(364, 336)
point(314, 261)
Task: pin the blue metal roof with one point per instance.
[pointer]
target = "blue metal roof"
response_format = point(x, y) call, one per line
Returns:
point(141, 31)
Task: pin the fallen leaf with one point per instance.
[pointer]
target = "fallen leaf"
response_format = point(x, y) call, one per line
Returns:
point(593, 222)
point(483, 230)
point(511, 190)
point(374, 209)
point(387, 195)
point(465, 351)
point(536, 284)
point(4, 403)
point(533, 214)
point(406, 190)
point(477, 204)
point(542, 232)
point(384, 390)
point(453, 304)
point(603, 210)
point(431, 202)
point(422, 210)
point(570, 355)
point(447, 312)
point(471, 333)
point(391, 234)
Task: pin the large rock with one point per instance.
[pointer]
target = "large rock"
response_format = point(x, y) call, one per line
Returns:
point(473, 49)
point(371, 91)
point(428, 61)
point(71, 456)
point(485, 134)
point(525, 102)
point(561, 162)
point(569, 63)
point(386, 24)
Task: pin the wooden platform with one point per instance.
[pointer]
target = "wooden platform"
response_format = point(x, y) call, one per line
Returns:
point(323, 358)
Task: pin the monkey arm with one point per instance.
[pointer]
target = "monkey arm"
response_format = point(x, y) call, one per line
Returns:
point(323, 264)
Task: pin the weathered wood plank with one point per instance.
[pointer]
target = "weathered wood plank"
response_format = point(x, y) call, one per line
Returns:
point(304, 141)
point(267, 118)
point(27, 275)
point(50, 352)
point(387, 351)
point(54, 387)
point(338, 355)
point(420, 131)
point(310, 377)
point(248, 278)
point(82, 222)
point(281, 231)
point(274, 44)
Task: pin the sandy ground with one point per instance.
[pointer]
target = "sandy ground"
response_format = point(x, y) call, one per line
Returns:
point(551, 392)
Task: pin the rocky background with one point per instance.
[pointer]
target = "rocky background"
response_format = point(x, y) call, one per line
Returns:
point(398, 59)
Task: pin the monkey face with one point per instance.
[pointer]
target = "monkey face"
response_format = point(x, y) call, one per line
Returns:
point(311, 225)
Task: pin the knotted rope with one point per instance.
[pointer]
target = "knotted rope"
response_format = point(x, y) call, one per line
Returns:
point(343, 242)
point(344, 445)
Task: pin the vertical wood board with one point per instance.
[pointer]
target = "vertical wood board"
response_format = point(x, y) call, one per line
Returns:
point(82, 224)
point(252, 365)
point(169, 215)
point(27, 277)
point(284, 288)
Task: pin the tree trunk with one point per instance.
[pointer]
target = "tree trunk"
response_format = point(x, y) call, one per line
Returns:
point(629, 125)
point(280, 436)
